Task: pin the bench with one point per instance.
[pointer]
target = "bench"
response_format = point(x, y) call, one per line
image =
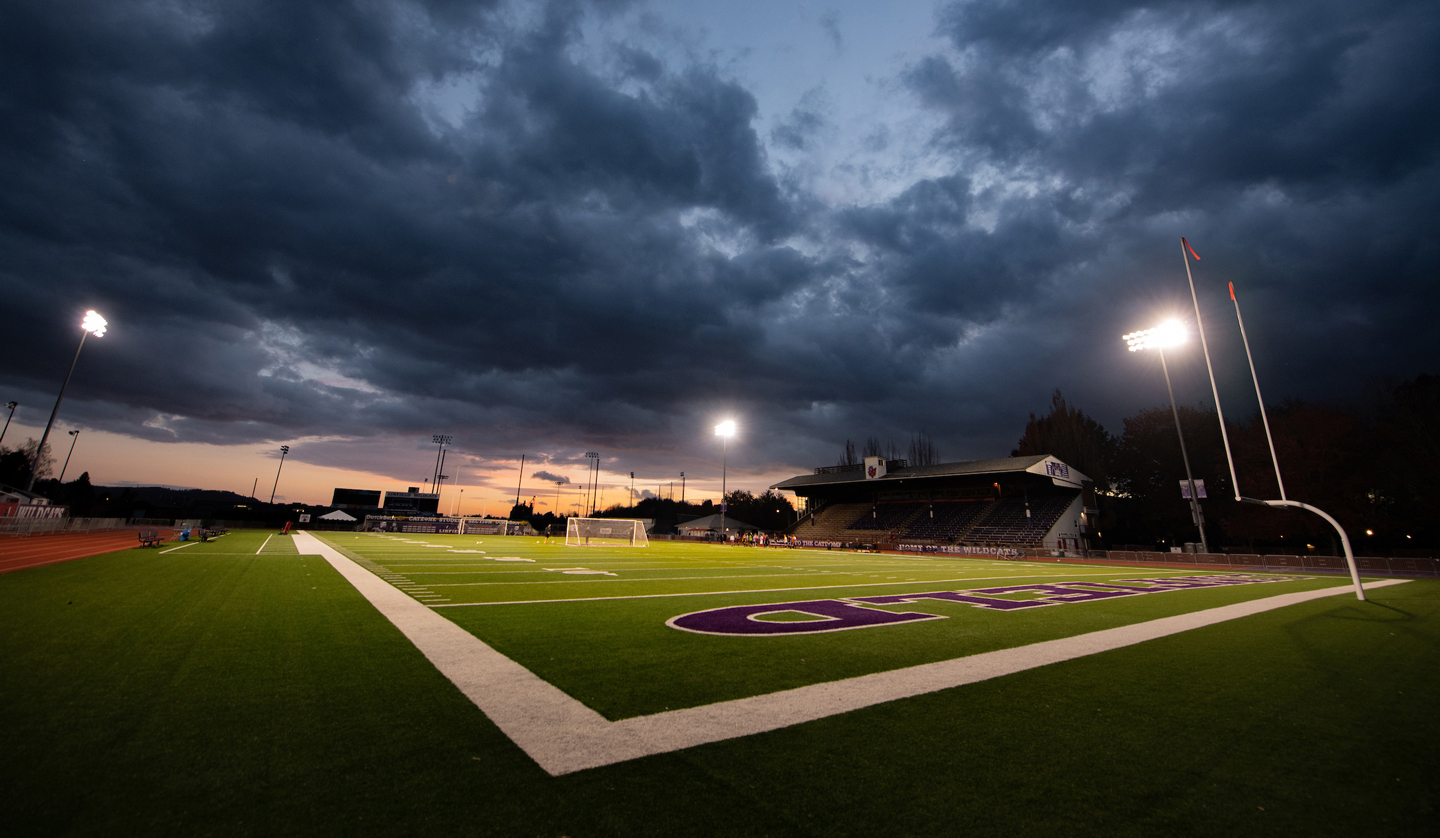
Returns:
point(150, 538)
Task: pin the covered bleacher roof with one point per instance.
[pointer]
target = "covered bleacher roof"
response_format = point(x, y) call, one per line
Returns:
point(1043, 465)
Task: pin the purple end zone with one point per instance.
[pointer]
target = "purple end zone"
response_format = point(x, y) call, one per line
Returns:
point(740, 619)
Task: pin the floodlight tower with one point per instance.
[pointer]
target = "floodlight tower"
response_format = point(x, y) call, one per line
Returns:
point(12, 406)
point(592, 479)
point(724, 430)
point(93, 323)
point(74, 438)
point(1172, 333)
point(441, 440)
point(284, 449)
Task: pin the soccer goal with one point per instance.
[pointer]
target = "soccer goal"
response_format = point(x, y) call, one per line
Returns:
point(607, 532)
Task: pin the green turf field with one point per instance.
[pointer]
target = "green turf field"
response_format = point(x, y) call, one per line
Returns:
point(226, 689)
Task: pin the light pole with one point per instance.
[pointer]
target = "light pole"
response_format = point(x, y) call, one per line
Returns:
point(724, 430)
point(74, 438)
point(1172, 333)
point(441, 440)
point(682, 487)
point(284, 449)
point(592, 478)
point(632, 488)
point(12, 406)
point(92, 323)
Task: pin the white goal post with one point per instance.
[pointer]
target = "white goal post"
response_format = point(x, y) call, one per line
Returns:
point(605, 532)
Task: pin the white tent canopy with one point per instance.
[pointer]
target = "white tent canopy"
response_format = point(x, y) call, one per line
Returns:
point(337, 515)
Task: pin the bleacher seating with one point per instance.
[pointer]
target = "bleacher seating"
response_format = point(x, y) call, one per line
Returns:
point(886, 516)
point(950, 521)
point(1007, 523)
point(830, 523)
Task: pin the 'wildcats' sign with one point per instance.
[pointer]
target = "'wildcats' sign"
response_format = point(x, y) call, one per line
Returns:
point(820, 615)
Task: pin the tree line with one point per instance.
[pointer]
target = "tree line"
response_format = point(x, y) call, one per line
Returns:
point(1369, 464)
point(769, 510)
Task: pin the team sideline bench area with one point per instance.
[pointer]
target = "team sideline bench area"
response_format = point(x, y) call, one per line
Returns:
point(151, 538)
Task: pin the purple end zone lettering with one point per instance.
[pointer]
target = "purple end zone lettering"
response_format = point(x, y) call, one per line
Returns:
point(957, 596)
point(839, 615)
point(1061, 593)
point(739, 619)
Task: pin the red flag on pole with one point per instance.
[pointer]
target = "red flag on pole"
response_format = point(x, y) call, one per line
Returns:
point(1189, 248)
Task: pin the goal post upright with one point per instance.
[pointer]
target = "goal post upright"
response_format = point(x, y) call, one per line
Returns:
point(605, 532)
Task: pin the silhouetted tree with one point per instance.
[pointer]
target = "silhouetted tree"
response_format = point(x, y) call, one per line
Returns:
point(1071, 436)
point(875, 448)
point(923, 451)
point(770, 511)
point(1147, 469)
point(15, 464)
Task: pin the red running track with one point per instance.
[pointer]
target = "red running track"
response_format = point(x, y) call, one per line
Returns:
point(19, 552)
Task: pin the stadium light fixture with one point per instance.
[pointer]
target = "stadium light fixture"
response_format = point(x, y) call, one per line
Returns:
point(92, 324)
point(724, 430)
point(74, 438)
point(1168, 334)
point(284, 449)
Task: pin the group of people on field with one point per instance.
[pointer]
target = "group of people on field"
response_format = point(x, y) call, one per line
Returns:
point(760, 539)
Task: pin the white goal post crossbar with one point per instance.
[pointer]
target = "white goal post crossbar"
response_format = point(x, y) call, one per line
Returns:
point(605, 532)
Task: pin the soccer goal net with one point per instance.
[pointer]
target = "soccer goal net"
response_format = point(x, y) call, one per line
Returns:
point(611, 532)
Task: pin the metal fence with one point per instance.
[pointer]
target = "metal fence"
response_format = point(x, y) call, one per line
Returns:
point(49, 526)
point(1369, 565)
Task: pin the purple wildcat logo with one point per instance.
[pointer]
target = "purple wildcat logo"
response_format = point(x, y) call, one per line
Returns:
point(822, 615)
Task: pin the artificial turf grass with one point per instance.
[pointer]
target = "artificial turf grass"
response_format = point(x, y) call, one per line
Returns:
point(619, 658)
point(233, 696)
point(1290, 722)
point(366, 737)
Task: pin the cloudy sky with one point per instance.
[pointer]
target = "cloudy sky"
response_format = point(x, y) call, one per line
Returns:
point(552, 228)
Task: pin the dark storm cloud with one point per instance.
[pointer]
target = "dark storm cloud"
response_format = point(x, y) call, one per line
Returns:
point(352, 220)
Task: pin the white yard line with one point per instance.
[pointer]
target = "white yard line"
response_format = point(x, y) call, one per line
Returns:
point(263, 543)
point(562, 735)
point(181, 547)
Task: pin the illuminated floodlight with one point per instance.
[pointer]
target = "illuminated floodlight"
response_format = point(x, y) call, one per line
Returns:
point(1162, 337)
point(94, 324)
point(1167, 334)
point(724, 430)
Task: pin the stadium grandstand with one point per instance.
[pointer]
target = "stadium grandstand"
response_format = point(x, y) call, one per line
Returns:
point(1033, 502)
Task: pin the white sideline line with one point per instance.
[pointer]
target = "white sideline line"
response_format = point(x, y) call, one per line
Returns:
point(181, 547)
point(263, 543)
point(562, 735)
